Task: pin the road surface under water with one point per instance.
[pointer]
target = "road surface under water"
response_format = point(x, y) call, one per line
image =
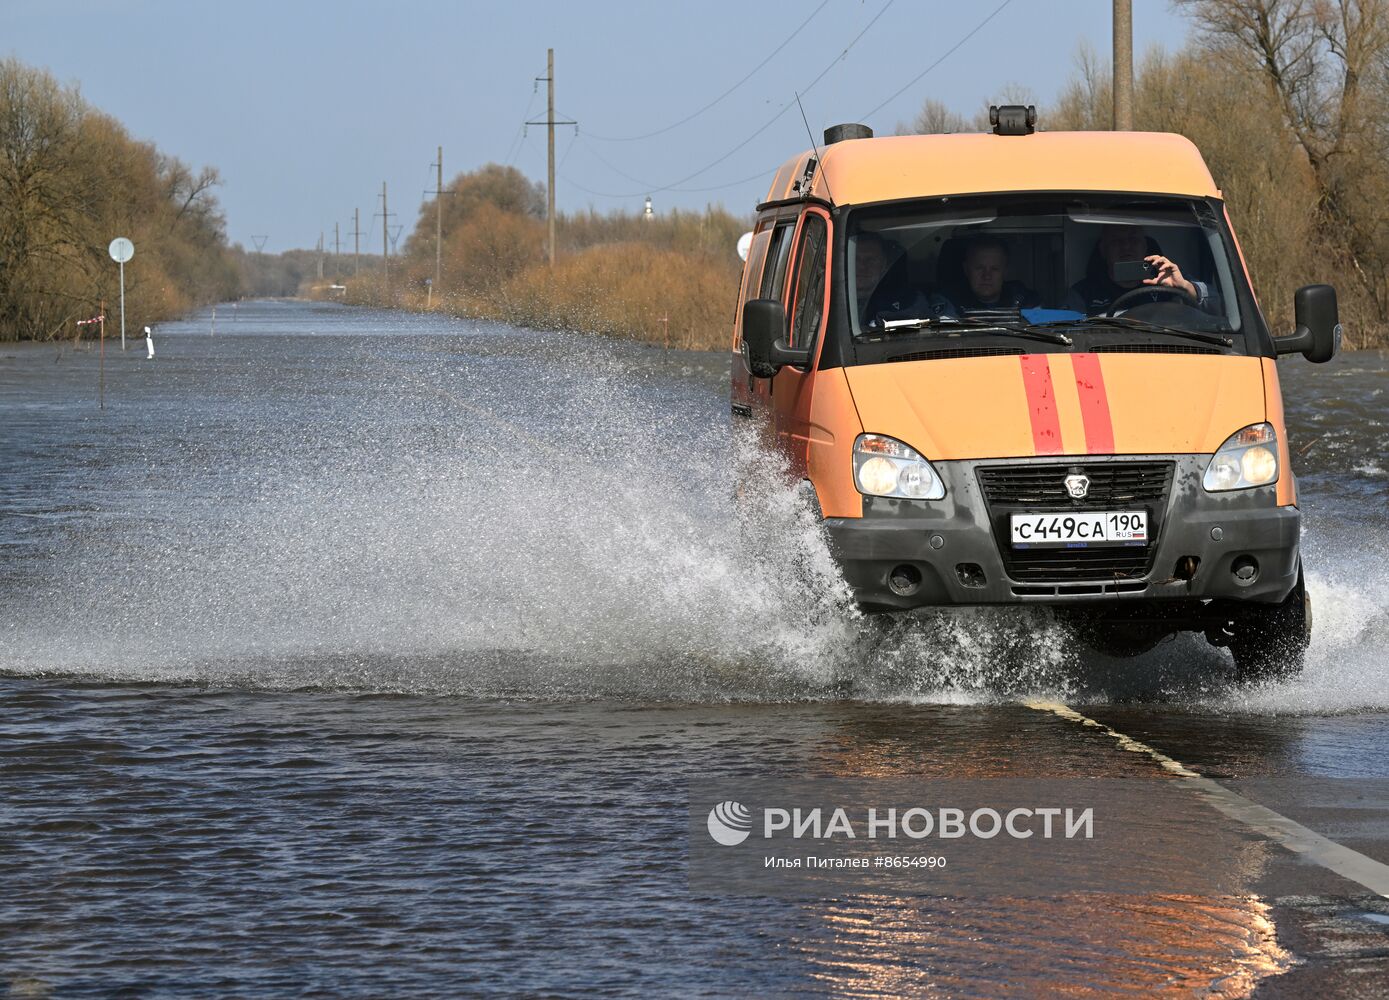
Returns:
point(360, 653)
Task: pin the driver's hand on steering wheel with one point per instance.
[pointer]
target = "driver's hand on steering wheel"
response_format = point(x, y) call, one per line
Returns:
point(1170, 275)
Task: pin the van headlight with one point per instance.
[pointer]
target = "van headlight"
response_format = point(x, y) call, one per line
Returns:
point(885, 467)
point(1249, 457)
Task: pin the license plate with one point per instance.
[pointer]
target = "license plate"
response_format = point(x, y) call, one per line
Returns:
point(1080, 529)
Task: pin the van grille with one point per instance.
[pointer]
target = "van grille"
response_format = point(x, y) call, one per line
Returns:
point(1012, 489)
point(1061, 565)
point(1028, 486)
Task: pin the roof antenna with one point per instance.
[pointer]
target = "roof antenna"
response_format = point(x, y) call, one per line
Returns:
point(815, 146)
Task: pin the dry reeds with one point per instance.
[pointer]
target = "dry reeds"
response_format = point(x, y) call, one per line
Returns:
point(670, 279)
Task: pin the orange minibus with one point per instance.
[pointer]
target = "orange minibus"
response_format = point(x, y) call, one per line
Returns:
point(1028, 367)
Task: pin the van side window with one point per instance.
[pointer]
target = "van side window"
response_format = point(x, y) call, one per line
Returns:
point(774, 275)
point(752, 278)
point(757, 259)
point(810, 282)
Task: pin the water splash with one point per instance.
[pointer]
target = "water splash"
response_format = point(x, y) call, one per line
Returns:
point(499, 513)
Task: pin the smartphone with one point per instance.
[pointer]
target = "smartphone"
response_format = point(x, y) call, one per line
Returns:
point(1126, 271)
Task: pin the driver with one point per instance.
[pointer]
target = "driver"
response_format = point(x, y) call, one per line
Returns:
point(1096, 292)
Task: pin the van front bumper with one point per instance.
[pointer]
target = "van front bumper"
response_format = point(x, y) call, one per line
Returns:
point(910, 553)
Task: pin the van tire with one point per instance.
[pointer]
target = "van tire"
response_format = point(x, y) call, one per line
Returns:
point(1270, 641)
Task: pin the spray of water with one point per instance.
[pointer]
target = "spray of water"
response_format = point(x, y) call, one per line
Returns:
point(529, 521)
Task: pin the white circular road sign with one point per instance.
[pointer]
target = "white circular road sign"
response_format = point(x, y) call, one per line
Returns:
point(121, 249)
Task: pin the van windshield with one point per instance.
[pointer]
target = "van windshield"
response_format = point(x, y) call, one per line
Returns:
point(1065, 266)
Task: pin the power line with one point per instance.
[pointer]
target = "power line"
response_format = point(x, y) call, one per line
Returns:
point(695, 114)
point(675, 185)
point(786, 107)
point(515, 146)
point(611, 166)
point(588, 190)
point(948, 53)
point(637, 180)
point(520, 135)
point(681, 190)
point(719, 187)
point(568, 147)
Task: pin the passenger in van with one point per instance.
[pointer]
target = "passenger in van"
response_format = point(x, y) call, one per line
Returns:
point(985, 264)
point(1095, 292)
point(882, 286)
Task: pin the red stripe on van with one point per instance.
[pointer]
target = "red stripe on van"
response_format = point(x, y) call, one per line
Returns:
point(1094, 404)
point(1041, 404)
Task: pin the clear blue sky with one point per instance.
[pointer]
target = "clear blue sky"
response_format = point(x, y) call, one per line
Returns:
point(306, 107)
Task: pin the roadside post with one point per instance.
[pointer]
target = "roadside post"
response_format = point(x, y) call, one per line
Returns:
point(101, 353)
point(121, 250)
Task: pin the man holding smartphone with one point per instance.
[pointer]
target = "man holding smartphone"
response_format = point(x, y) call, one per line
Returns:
point(1129, 245)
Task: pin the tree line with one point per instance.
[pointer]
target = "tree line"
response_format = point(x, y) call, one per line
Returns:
point(667, 278)
point(72, 179)
point(1287, 99)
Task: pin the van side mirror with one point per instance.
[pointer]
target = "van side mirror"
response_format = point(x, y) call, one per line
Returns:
point(764, 339)
point(1318, 333)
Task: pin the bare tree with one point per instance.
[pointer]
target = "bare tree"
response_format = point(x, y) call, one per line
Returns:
point(1009, 93)
point(40, 198)
point(1085, 103)
point(1324, 65)
point(935, 118)
point(186, 190)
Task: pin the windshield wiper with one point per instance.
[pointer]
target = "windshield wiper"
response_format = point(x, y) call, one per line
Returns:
point(1128, 323)
point(966, 323)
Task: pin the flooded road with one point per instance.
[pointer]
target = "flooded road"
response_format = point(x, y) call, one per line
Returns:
point(361, 653)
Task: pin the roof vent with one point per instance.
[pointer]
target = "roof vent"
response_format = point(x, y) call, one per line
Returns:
point(1013, 119)
point(838, 133)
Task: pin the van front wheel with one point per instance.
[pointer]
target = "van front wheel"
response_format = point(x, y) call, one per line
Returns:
point(1270, 641)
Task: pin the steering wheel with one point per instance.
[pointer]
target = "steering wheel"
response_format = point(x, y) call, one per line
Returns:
point(1134, 293)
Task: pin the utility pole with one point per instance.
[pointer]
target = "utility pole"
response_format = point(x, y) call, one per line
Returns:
point(337, 251)
point(385, 244)
point(320, 255)
point(550, 121)
point(356, 240)
point(438, 220)
point(1123, 65)
point(550, 118)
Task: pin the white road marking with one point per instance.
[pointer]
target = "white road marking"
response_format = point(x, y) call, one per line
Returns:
point(1352, 865)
